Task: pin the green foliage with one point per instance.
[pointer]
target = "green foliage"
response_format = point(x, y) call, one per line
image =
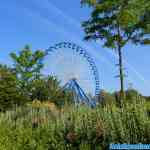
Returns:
point(9, 93)
point(27, 66)
point(132, 94)
point(75, 128)
point(42, 89)
point(48, 89)
point(118, 21)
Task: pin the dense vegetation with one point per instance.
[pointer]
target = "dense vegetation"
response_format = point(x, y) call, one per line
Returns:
point(24, 82)
point(74, 128)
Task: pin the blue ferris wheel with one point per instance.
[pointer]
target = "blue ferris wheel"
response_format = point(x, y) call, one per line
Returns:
point(76, 70)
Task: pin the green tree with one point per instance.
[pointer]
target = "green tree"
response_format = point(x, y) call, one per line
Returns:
point(116, 23)
point(27, 65)
point(49, 89)
point(9, 93)
point(45, 88)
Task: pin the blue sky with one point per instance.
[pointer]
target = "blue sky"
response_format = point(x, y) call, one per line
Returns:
point(44, 23)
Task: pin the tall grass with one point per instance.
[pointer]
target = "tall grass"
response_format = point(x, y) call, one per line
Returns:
point(74, 128)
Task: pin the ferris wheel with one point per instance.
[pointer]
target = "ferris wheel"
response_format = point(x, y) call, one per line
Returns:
point(68, 61)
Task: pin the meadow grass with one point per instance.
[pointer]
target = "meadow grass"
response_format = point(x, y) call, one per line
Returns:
point(74, 128)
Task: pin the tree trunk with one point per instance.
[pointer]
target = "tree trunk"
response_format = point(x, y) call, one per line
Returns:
point(121, 74)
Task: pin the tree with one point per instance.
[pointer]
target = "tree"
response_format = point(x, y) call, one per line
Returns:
point(27, 65)
point(9, 93)
point(116, 23)
point(45, 88)
point(48, 89)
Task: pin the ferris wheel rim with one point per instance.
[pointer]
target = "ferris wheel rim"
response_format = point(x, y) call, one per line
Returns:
point(82, 52)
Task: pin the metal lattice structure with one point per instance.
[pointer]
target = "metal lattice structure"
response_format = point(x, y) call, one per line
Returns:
point(79, 96)
point(83, 53)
